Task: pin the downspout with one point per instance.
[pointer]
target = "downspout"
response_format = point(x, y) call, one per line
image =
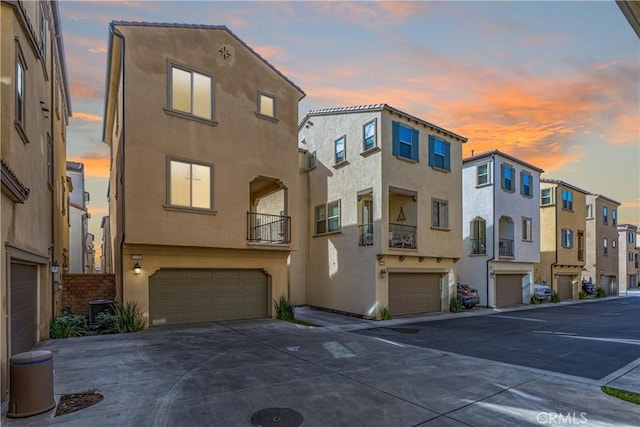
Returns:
point(52, 246)
point(555, 195)
point(493, 245)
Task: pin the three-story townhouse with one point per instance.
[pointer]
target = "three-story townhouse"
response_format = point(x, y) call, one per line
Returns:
point(501, 227)
point(601, 251)
point(628, 267)
point(385, 208)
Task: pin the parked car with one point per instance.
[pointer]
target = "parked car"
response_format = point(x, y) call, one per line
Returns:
point(589, 288)
point(468, 295)
point(542, 292)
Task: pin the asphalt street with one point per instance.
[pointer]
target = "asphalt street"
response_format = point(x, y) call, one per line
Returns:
point(584, 340)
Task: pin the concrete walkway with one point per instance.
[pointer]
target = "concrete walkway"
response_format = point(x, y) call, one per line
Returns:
point(224, 374)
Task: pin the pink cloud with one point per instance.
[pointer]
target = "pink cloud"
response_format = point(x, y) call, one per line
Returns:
point(88, 117)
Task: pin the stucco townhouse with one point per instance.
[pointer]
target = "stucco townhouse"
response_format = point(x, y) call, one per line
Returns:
point(501, 227)
point(629, 252)
point(562, 237)
point(384, 191)
point(205, 185)
point(34, 198)
point(601, 261)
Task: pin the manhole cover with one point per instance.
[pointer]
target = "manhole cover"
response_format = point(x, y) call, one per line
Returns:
point(406, 330)
point(277, 417)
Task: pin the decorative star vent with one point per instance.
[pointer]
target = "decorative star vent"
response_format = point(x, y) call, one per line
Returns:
point(225, 52)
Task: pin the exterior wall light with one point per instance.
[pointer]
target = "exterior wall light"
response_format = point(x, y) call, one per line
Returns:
point(136, 268)
point(55, 267)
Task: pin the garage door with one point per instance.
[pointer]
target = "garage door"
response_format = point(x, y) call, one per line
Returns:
point(565, 287)
point(181, 296)
point(24, 307)
point(411, 293)
point(508, 289)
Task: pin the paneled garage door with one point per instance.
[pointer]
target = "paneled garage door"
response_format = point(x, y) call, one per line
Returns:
point(508, 289)
point(24, 307)
point(565, 287)
point(182, 296)
point(414, 293)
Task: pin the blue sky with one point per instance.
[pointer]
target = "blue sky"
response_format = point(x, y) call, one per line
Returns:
point(556, 84)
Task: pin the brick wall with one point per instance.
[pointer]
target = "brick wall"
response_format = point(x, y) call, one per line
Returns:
point(79, 289)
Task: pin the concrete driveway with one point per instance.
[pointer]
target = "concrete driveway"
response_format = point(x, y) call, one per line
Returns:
point(223, 374)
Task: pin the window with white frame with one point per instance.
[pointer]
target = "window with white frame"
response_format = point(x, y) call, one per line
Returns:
point(190, 184)
point(369, 135)
point(526, 229)
point(439, 213)
point(328, 218)
point(266, 105)
point(605, 249)
point(567, 199)
point(508, 177)
point(482, 174)
point(341, 149)
point(589, 211)
point(526, 184)
point(190, 92)
point(567, 238)
point(605, 215)
point(546, 196)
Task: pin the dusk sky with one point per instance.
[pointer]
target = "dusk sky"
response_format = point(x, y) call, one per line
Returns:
point(556, 84)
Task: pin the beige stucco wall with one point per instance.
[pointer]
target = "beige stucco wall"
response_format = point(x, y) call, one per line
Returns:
point(598, 264)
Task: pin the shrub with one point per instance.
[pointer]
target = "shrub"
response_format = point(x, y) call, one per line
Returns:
point(284, 310)
point(128, 317)
point(534, 300)
point(385, 313)
point(106, 322)
point(555, 297)
point(582, 295)
point(67, 325)
point(455, 305)
point(629, 396)
point(600, 293)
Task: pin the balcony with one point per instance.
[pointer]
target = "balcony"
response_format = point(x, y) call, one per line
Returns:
point(365, 233)
point(506, 247)
point(403, 236)
point(478, 246)
point(266, 228)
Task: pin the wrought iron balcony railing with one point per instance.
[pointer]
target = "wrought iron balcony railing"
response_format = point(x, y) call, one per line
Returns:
point(268, 228)
point(506, 247)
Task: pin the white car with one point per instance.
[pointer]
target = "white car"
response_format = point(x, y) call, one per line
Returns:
point(543, 292)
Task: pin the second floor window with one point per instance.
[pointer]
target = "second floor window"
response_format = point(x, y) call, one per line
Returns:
point(507, 178)
point(478, 236)
point(266, 105)
point(605, 215)
point(439, 213)
point(589, 211)
point(369, 135)
point(526, 229)
point(546, 196)
point(567, 238)
point(191, 92)
point(482, 174)
point(190, 184)
point(439, 153)
point(341, 151)
point(605, 249)
point(567, 199)
point(526, 181)
point(405, 142)
point(327, 217)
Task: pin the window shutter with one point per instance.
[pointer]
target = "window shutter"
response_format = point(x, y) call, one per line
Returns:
point(447, 156)
point(415, 135)
point(396, 139)
point(431, 151)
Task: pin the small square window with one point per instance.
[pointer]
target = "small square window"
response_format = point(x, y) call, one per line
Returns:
point(546, 196)
point(266, 105)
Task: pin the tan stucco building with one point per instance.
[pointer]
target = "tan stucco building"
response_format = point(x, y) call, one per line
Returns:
point(601, 263)
point(204, 185)
point(628, 254)
point(35, 108)
point(384, 203)
point(562, 237)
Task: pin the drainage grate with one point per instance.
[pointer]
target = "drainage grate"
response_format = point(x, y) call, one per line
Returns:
point(277, 417)
point(406, 330)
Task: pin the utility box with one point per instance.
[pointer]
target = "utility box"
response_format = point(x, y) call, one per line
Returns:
point(30, 384)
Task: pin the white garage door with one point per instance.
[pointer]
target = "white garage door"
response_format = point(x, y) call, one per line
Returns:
point(411, 293)
point(183, 296)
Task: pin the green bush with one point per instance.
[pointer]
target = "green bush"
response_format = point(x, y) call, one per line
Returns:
point(600, 293)
point(534, 300)
point(455, 305)
point(582, 295)
point(128, 317)
point(555, 297)
point(284, 310)
point(385, 313)
point(106, 322)
point(67, 325)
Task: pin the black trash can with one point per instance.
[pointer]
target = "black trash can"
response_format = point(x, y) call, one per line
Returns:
point(30, 384)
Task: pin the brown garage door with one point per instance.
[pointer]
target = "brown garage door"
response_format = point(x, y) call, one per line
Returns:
point(565, 287)
point(182, 296)
point(24, 307)
point(411, 293)
point(508, 289)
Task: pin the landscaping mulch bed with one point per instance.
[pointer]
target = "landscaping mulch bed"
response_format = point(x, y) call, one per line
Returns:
point(69, 403)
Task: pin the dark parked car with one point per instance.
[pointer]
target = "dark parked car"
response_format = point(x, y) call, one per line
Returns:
point(589, 288)
point(467, 295)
